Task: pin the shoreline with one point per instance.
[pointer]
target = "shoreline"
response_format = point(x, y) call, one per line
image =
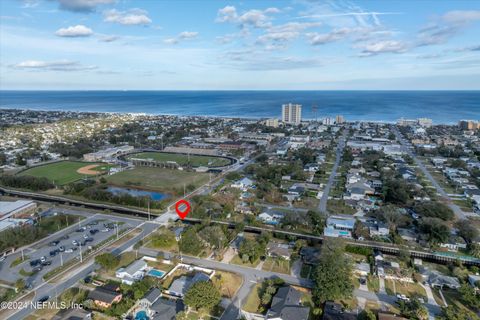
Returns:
point(246, 118)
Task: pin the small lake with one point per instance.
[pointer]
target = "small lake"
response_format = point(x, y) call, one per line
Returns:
point(156, 196)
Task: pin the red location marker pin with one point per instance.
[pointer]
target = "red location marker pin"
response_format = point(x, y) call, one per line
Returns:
point(183, 208)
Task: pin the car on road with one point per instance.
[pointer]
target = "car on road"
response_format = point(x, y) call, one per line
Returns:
point(37, 269)
point(61, 248)
point(43, 259)
point(43, 299)
point(54, 243)
point(35, 262)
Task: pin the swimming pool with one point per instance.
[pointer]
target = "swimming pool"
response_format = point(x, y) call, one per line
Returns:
point(141, 315)
point(156, 273)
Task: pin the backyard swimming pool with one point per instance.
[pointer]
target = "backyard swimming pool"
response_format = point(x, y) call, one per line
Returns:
point(156, 273)
point(141, 315)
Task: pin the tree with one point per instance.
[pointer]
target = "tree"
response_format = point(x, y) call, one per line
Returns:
point(202, 294)
point(413, 310)
point(396, 191)
point(467, 230)
point(453, 312)
point(434, 209)
point(367, 315)
point(20, 284)
point(190, 243)
point(392, 216)
point(436, 230)
point(470, 296)
point(107, 260)
point(474, 249)
point(182, 315)
point(332, 276)
point(3, 159)
point(251, 249)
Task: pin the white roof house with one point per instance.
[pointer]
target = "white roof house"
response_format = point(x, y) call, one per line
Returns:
point(243, 183)
point(133, 272)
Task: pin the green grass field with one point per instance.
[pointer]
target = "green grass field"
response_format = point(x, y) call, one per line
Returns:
point(157, 178)
point(62, 172)
point(182, 159)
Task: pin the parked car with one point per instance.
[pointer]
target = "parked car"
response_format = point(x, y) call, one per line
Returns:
point(53, 253)
point(65, 237)
point(35, 262)
point(105, 230)
point(54, 243)
point(93, 231)
point(43, 259)
point(46, 263)
point(61, 248)
point(75, 242)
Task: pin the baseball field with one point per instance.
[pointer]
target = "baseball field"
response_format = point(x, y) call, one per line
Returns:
point(64, 172)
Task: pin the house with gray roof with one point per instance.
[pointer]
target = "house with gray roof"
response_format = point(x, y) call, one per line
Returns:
point(287, 305)
point(180, 286)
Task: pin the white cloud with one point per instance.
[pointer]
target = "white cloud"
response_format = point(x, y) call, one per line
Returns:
point(447, 26)
point(74, 31)
point(185, 35)
point(130, 17)
point(109, 38)
point(255, 18)
point(61, 65)
point(82, 5)
point(384, 46)
point(227, 14)
point(188, 35)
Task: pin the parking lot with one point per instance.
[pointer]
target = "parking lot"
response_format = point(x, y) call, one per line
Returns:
point(63, 246)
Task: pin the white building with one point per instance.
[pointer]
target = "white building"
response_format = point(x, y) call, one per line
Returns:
point(292, 113)
point(14, 208)
point(133, 272)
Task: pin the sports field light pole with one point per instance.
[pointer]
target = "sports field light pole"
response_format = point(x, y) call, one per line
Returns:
point(61, 259)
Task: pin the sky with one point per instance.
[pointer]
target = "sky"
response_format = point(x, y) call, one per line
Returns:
point(239, 45)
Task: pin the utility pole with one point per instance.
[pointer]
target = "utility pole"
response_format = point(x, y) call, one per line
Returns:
point(23, 257)
point(116, 225)
point(148, 210)
point(61, 259)
point(81, 258)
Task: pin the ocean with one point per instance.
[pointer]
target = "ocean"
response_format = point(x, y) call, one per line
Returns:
point(442, 106)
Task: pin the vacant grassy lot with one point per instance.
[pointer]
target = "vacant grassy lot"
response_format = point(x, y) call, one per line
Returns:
point(183, 159)
point(408, 289)
point(227, 283)
point(62, 172)
point(157, 178)
point(277, 265)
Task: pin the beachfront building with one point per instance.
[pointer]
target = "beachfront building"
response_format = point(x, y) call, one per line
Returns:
point(292, 113)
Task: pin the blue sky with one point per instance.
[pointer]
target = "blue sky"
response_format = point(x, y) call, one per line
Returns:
point(298, 44)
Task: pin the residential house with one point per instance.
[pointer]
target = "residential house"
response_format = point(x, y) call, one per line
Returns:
point(180, 286)
point(279, 250)
point(474, 281)
point(270, 216)
point(310, 255)
point(335, 311)
point(243, 184)
point(362, 269)
point(287, 305)
point(133, 272)
point(454, 243)
point(377, 228)
point(178, 233)
point(104, 297)
point(438, 280)
point(158, 308)
point(339, 227)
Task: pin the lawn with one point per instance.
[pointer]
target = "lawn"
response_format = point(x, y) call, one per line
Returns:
point(408, 289)
point(157, 178)
point(253, 300)
point(339, 207)
point(276, 265)
point(306, 271)
point(183, 159)
point(227, 282)
point(62, 172)
point(237, 260)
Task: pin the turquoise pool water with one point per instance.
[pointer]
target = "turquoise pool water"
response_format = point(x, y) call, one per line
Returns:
point(141, 315)
point(156, 273)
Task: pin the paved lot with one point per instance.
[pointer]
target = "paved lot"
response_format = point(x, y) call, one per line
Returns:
point(65, 238)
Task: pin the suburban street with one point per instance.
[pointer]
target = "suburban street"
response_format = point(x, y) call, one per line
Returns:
point(459, 213)
point(322, 206)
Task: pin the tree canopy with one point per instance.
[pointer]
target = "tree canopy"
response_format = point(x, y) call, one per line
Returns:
point(202, 294)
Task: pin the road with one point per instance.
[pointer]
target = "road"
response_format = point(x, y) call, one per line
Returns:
point(407, 148)
point(250, 276)
point(322, 206)
point(76, 274)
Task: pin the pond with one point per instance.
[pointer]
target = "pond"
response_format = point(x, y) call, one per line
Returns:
point(156, 196)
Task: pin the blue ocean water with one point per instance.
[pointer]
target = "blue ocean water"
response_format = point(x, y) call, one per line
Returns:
point(441, 106)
